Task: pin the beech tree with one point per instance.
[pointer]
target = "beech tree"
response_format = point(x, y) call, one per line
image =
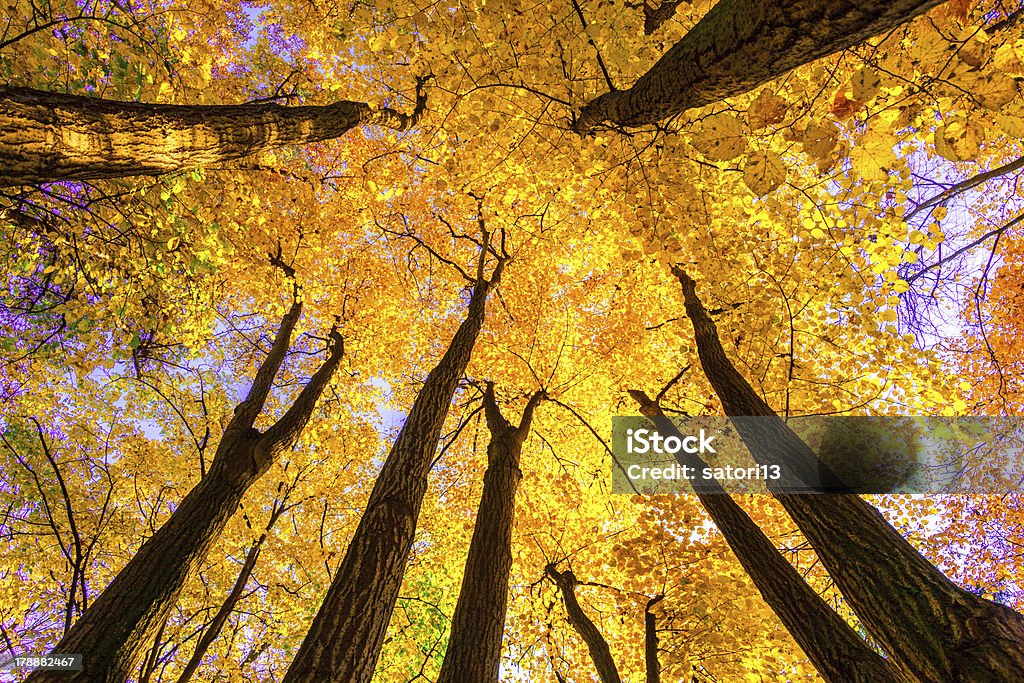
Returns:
point(932, 627)
point(737, 46)
point(838, 652)
point(119, 625)
point(345, 638)
point(53, 137)
point(478, 624)
point(600, 653)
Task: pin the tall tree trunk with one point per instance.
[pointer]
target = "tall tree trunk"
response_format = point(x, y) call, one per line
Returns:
point(113, 633)
point(835, 649)
point(651, 663)
point(47, 136)
point(474, 648)
point(740, 44)
point(346, 636)
point(926, 623)
point(600, 653)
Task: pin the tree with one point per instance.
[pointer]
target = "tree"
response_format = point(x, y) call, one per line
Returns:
point(231, 601)
point(69, 137)
point(838, 653)
point(934, 629)
point(123, 620)
point(600, 654)
point(478, 624)
point(737, 46)
point(345, 638)
point(816, 210)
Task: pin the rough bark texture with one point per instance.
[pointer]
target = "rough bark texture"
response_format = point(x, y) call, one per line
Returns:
point(740, 44)
point(478, 624)
point(655, 17)
point(113, 633)
point(600, 654)
point(344, 641)
point(927, 624)
point(835, 649)
point(47, 136)
point(651, 663)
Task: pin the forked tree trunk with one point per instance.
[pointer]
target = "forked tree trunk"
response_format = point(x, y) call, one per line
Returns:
point(478, 624)
point(113, 634)
point(835, 649)
point(740, 44)
point(600, 653)
point(346, 636)
point(925, 622)
point(47, 136)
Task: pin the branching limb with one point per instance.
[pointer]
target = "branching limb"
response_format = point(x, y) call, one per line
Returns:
point(247, 411)
point(964, 186)
point(600, 653)
point(286, 431)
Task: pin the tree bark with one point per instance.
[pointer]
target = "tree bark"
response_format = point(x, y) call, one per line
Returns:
point(346, 636)
point(651, 663)
point(655, 17)
point(600, 653)
point(478, 624)
point(927, 624)
point(47, 136)
point(835, 649)
point(740, 44)
point(113, 633)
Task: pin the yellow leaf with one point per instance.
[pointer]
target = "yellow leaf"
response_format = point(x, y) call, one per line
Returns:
point(1011, 119)
point(873, 156)
point(993, 89)
point(764, 172)
point(865, 84)
point(765, 110)
point(720, 138)
point(958, 140)
point(819, 140)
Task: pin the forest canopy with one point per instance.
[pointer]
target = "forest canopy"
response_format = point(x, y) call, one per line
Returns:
point(315, 318)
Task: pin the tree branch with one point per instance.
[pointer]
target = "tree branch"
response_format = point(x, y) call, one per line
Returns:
point(286, 430)
point(600, 653)
point(964, 186)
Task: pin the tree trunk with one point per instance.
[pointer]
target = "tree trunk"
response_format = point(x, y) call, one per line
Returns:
point(740, 44)
point(651, 663)
point(346, 636)
point(927, 624)
point(600, 653)
point(113, 633)
point(47, 136)
point(835, 649)
point(474, 648)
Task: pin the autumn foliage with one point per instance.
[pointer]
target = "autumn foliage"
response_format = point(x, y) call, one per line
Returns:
point(497, 220)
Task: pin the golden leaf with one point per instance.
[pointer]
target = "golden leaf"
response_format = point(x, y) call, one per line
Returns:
point(764, 172)
point(720, 138)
